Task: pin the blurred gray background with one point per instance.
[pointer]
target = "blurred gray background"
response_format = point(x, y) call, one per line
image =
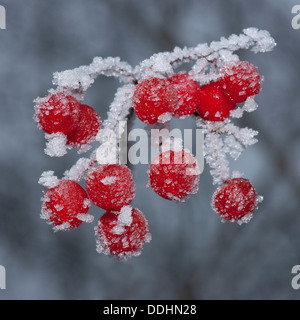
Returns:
point(192, 255)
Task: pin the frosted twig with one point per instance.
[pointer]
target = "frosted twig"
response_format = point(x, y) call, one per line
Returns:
point(78, 170)
point(215, 156)
point(207, 58)
point(164, 62)
point(81, 78)
point(235, 141)
point(115, 125)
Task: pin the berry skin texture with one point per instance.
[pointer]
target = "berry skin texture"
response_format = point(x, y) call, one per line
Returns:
point(236, 198)
point(214, 104)
point(87, 129)
point(174, 175)
point(240, 80)
point(122, 234)
point(110, 186)
point(62, 204)
point(188, 92)
point(57, 113)
point(154, 100)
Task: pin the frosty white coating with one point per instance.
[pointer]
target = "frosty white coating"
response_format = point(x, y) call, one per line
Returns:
point(222, 138)
point(207, 60)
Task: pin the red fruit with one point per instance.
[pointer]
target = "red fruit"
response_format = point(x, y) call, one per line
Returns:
point(154, 100)
point(88, 127)
point(174, 175)
point(57, 113)
point(123, 233)
point(187, 92)
point(236, 198)
point(110, 186)
point(214, 104)
point(62, 204)
point(240, 80)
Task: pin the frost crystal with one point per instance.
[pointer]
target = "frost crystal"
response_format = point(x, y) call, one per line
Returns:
point(249, 106)
point(125, 217)
point(109, 180)
point(114, 126)
point(56, 145)
point(62, 227)
point(48, 179)
point(88, 218)
point(78, 170)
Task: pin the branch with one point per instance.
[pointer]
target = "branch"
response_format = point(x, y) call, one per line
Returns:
point(164, 62)
point(80, 79)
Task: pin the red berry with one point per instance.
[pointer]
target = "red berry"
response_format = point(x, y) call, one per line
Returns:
point(154, 100)
point(240, 80)
point(88, 127)
point(57, 113)
point(123, 233)
point(63, 203)
point(187, 92)
point(110, 186)
point(214, 104)
point(174, 175)
point(236, 198)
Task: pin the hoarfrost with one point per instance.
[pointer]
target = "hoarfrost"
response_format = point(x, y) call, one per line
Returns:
point(78, 170)
point(207, 58)
point(114, 126)
point(124, 220)
point(62, 227)
point(249, 106)
point(56, 144)
point(221, 138)
point(109, 180)
point(81, 78)
point(48, 179)
point(125, 216)
point(85, 217)
point(215, 155)
point(165, 117)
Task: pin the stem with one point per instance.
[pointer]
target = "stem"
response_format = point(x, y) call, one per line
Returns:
point(78, 80)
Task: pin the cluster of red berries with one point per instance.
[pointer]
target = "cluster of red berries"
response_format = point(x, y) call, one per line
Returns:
point(173, 175)
point(62, 113)
point(111, 188)
point(157, 99)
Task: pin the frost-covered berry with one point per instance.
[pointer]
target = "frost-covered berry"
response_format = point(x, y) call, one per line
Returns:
point(154, 100)
point(214, 104)
point(65, 205)
point(174, 175)
point(240, 80)
point(122, 233)
point(87, 128)
point(188, 94)
point(57, 113)
point(110, 186)
point(235, 199)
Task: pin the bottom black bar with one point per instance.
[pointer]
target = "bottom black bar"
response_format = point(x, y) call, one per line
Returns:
point(103, 309)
